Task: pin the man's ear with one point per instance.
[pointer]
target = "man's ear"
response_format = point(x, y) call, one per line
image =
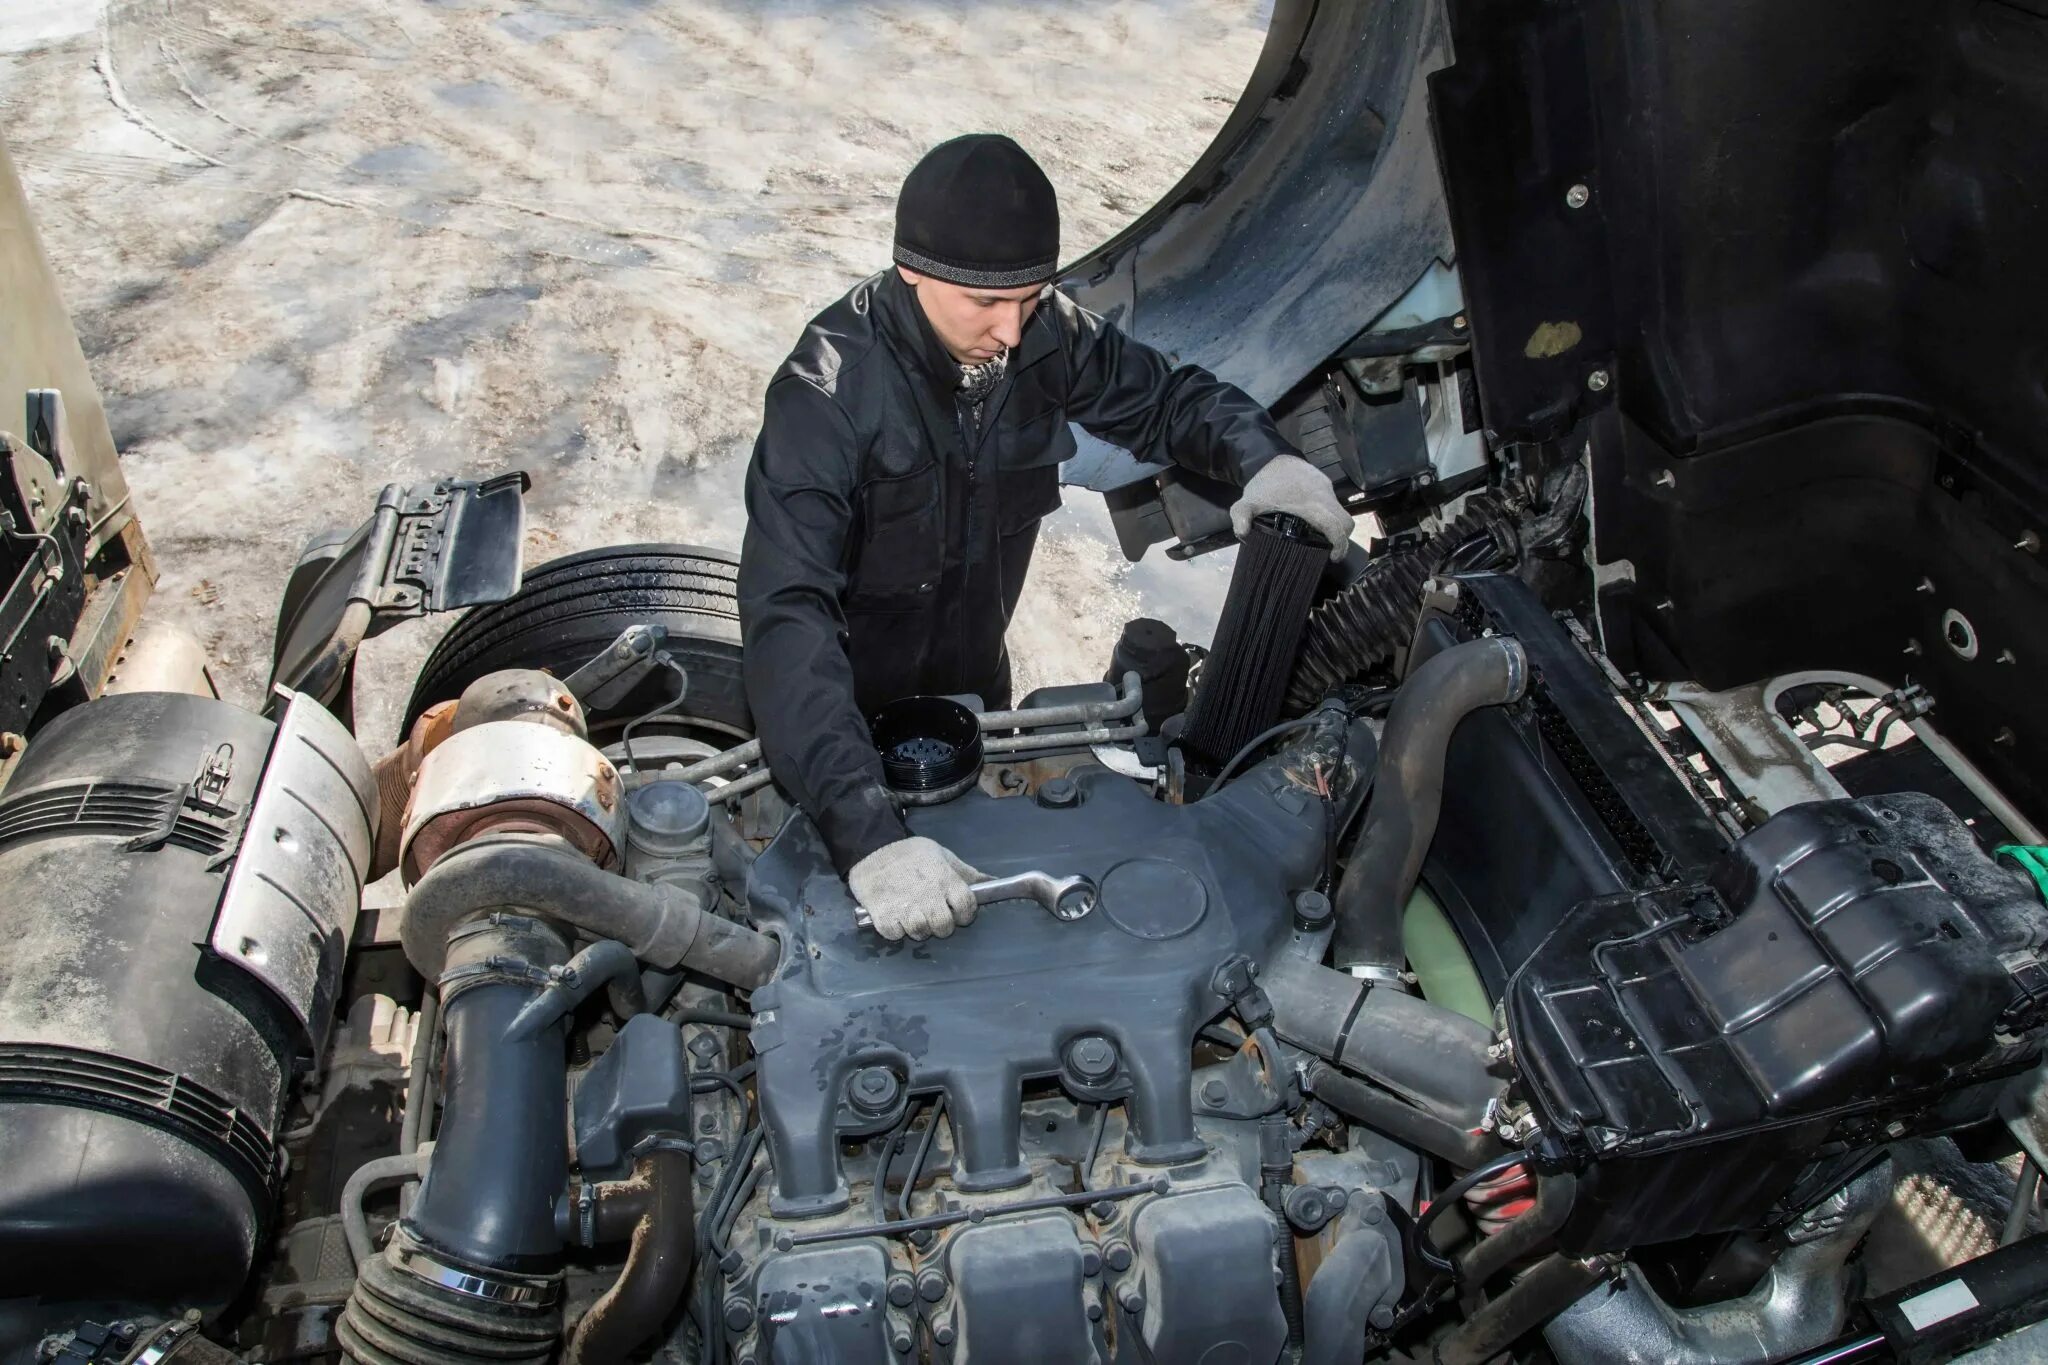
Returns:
point(910, 277)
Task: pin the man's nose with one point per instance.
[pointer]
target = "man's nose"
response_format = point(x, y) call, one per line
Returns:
point(1010, 329)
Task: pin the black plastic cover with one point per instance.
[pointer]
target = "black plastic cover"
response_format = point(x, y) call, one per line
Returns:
point(1847, 964)
point(639, 1089)
point(975, 1015)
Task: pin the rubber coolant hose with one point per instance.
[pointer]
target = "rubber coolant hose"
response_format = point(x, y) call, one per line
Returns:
point(1408, 791)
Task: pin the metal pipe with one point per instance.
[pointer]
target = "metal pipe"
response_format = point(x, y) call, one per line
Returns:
point(426, 1023)
point(656, 1273)
point(1800, 1305)
point(1968, 773)
point(1396, 1118)
point(662, 923)
point(1386, 859)
point(355, 1224)
point(1553, 1285)
point(1130, 700)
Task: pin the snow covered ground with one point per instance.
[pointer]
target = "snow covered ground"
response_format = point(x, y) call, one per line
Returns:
point(315, 246)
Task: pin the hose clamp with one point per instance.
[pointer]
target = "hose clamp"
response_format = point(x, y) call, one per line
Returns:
point(495, 1287)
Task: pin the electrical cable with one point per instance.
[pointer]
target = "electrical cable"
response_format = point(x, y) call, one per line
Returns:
point(1454, 1193)
point(1223, 774)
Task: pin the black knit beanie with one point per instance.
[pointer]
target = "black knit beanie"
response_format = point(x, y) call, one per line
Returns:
point(977, 211)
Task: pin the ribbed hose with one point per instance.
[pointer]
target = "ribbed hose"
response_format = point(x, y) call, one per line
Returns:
point(1362, 627)
point(396, 1318)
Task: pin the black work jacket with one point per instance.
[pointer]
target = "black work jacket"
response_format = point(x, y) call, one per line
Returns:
point(888, 538)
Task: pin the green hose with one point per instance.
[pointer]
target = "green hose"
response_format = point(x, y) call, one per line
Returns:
point(1443, 969)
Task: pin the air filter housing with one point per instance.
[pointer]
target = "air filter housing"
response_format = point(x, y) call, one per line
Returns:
point(1244, 679)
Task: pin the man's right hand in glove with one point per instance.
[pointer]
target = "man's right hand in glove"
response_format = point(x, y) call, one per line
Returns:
point(914, 887)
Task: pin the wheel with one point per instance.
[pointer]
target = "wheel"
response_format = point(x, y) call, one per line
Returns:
point(570, 608)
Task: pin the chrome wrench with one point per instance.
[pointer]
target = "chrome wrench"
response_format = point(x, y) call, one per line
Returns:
point(1065, 898)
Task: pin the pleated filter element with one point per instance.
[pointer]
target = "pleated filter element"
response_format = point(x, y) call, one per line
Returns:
point(1244, 679)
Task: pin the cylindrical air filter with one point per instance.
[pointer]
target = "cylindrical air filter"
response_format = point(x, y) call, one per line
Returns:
point(1245, 676)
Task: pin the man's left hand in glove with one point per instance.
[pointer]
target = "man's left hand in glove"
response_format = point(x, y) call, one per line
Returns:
point(1292, 485)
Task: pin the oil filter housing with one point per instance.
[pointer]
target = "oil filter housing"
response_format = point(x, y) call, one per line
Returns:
point(178, 879)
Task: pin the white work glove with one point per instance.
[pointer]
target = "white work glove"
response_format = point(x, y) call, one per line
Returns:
point(914, 887)
point(1291, 484)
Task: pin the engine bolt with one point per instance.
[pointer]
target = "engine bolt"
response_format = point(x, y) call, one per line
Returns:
point(942, 1332)
point(1092, 1058)
point(1091, 1262)
point(1129, 1299)
point(931, 1286)
point(1311, 911)
point(1372, 1213)
point(1214, 1093)
point(1059, 793)
point(1382, 1317)
point(900, 1340)
point(739, 1315)
point(901, 1290)
point(1094, 1310)
point(874, 1089)
point(1117, 1255)
point(704, 1045)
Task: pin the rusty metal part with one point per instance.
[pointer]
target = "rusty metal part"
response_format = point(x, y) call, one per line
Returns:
point(508, 776)
point(520, 694)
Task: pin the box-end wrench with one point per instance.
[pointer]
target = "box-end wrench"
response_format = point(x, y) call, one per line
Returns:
point(1066, 898)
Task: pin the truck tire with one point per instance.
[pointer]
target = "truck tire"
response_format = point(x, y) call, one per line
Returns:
point(570, 608)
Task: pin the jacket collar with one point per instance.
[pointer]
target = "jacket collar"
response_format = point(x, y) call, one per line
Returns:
point(910, 331)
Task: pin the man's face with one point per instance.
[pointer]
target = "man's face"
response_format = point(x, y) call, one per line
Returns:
point(974, 324)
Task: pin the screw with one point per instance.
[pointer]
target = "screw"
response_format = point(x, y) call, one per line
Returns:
point(1577, 197)
point(901, 1290)
point(1372, 1214)
point(931, 1285)
point(2005, 737)
point(1926, 586)
point(1117, 1255)
point(1665, 479)
point(1458, 323)
point(1912, 648)
point(709, 1149)
point(739, 1315)
point(1129, 1299)
point(1214, 1093)
point(1091, 1262)
point(899, 1339)
point(2030, 541)
point(1598, 381)
point(2005, 656)
point(1094, 1310)
point(942, 1331)
point(1382, 1317)
point(1092, 1057)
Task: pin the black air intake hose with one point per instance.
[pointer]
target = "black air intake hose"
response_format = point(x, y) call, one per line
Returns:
point(1408, 793)
point(473, 1272)
point(1245, 676)
point(1364, 626)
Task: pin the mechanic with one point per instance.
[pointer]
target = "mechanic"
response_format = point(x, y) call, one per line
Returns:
point(909, 447)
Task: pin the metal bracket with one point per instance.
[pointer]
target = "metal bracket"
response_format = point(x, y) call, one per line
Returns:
point(618, 669)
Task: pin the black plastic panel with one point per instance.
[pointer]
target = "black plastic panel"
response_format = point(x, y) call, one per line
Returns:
point(1847, 962)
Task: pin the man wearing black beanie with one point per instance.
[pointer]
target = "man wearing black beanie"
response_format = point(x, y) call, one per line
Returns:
point(909, 447)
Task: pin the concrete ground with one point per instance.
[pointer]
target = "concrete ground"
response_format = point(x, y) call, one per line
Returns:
point(314, 246)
